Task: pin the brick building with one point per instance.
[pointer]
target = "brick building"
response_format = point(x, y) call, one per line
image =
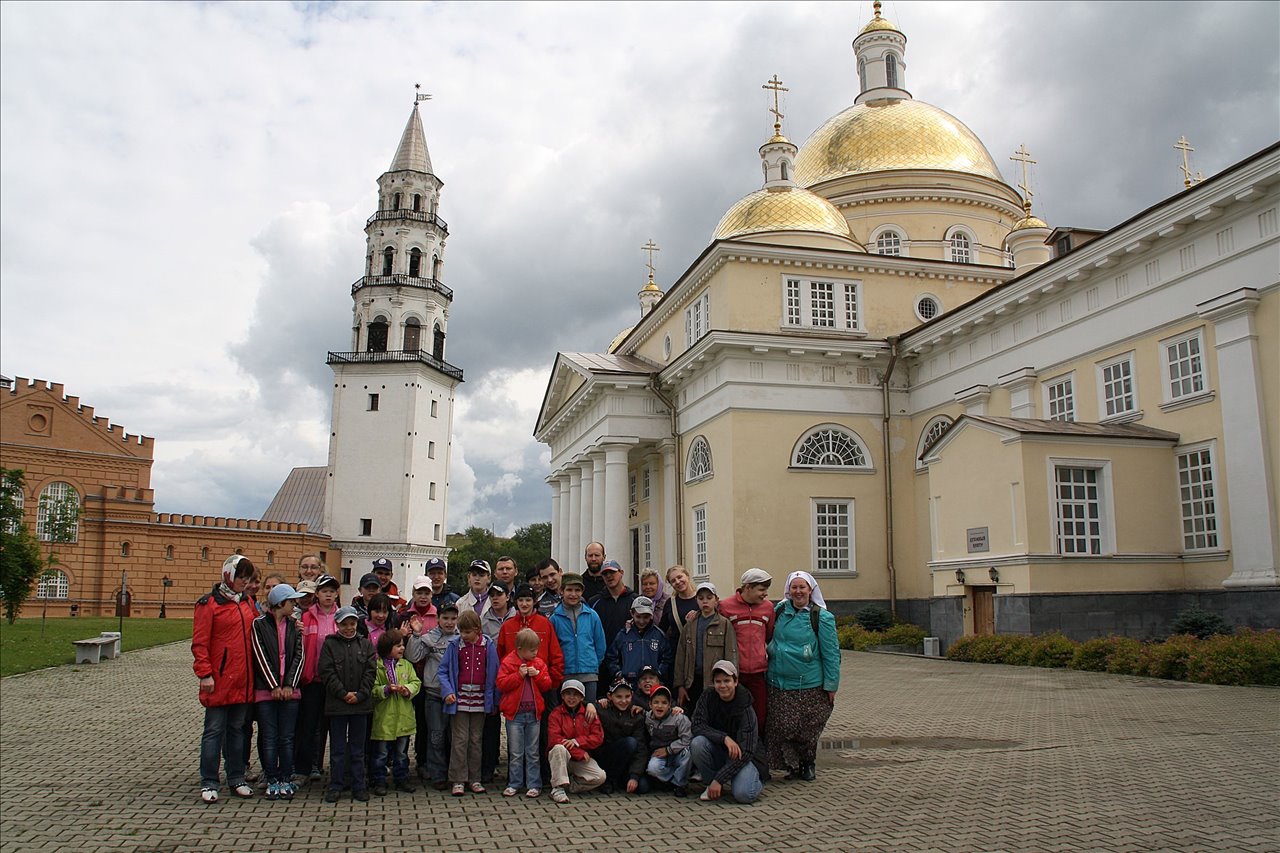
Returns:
point(66, 450)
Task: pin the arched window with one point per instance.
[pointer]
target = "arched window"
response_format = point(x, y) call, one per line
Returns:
point(960, 247)
point(412, 335)
point(395, 201)
point(415, 262)
point(59, 502)
point(435, 267)
point(271, 558)
point(699, 467)
point(13, 492)
point(168, 552)
point(830, 446)
point(932, 431)
point(783, 166)
point(889, 243)
point(388, 260)
point(862, 75)
point(124, 549)
point(377, 335)
point(891, 71)
point(437, 343)
point(53, 585)
point(417, 202)
point(204, 553)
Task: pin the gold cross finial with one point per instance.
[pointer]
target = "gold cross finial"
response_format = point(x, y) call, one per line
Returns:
point(650, 247)
point(1023, 156)
point(775, 86)
point(876, 6)
point(419, 95)
point(1185, 147)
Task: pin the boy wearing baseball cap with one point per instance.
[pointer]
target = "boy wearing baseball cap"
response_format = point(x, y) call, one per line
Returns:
point(708, 638)
point(725, 744)
point(639, 644)
point(347, 663)
point(752, 617)
point(571, 734)
point(580, 634)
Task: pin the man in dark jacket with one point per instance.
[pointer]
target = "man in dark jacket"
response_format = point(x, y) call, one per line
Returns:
point(726, 748)
point(625, 751)
point(347, 668)
point(613, 606)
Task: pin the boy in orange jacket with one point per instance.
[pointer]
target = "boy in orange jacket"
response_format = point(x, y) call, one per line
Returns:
point(571, 734)
point(522, 679)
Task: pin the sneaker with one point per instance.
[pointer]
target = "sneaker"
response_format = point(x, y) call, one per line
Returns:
point(243, 790)
point(680, 791)
point(558, 795)
point(459, 789)
point(509, 791)
point(287, 790)
point(380, 790)
point(331, 795)
point(533, 793)
point(705, 796)
point(695, 776)
point(209, 795)
point(477, 788)
point(273, 791)
point(361, 794)
point(406, 786)
point(314, 775)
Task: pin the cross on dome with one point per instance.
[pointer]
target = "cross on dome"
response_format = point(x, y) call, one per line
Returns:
point(1023, 156)
point(775, 85)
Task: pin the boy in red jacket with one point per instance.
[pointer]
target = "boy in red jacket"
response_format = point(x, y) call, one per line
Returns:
point(571, 733)
point(522, 679)
point(752, 617)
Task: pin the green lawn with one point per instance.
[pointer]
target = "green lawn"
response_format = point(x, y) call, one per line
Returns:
point(22, 649)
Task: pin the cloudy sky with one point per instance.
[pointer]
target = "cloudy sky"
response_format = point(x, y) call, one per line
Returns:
point(183, 187)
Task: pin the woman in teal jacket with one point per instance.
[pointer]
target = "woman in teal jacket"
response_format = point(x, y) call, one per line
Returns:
point(803, 677)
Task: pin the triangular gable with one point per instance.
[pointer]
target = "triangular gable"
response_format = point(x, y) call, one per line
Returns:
point(38, 414)
point(932, 452)
point(566, 379)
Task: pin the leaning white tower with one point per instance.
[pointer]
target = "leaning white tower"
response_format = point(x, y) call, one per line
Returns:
point(393, 391)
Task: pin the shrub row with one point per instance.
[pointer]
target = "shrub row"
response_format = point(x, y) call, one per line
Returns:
point(1245, 657)
point(854, 636)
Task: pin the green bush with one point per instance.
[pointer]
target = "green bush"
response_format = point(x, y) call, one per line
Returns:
point(1124, 657)
point(857, 638)
point(1199, 623)
point(1167, 659)
point(1091, 655)
point(1248, 657)
point(1052, 650)
point(904, 634)
point(874, 618)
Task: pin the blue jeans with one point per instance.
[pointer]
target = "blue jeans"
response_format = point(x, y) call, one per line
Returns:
point(615, 759)
point(223, 735)
point(438, 740)
point(347, 735)
point(709, 757)
point(276, 724)
point(523, 768)
point(673, 768)
point(399, 750)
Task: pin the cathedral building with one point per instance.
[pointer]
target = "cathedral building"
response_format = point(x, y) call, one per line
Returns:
point(886, 370)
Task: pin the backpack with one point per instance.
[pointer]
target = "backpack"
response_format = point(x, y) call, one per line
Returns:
point(813, 614)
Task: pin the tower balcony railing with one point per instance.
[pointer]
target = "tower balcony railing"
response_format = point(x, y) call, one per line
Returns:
point(395, 355)
point(411, 216)
point(402, 281)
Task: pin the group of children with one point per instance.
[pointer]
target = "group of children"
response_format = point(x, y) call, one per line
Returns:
point(439, 669)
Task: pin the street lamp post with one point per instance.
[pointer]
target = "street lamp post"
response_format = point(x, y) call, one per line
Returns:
point(165, 583)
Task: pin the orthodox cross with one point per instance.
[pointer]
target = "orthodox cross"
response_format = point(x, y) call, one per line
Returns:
point(1185, 147)
point(1023, 156)
point(775, 86)
point(650, 247)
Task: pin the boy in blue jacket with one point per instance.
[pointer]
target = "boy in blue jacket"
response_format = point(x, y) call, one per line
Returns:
point(639, 644)
point(581, 636)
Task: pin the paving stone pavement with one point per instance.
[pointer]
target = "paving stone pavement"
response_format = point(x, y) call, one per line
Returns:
point(920, 755)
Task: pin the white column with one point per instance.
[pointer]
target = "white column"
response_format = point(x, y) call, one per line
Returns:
point(562, 538)
point(575, 511)
point(616, 504)
point(1251, 492)
point(587, 530)
point(597, 505)
point(554, 483)
point(669, 502)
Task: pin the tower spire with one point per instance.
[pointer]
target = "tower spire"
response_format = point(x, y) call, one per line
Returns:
point(412, 154)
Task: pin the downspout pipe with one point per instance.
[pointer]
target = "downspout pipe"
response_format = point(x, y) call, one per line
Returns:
point(675, 434)
point(892, 340)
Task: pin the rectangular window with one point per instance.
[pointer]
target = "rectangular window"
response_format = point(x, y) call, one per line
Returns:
point(697, 319)
point(631, 489)
point(431, 492)
point(822, 304)
point(833, 535)
point(431, 450)
point(1119, 395)
point(1197, 495)
point(645, 491)
point(366, 527)
point(1079, 510)
point(346, 576)
point(373, 402)
point(646, 544)
point(434, 410)
point(1184, 366)
point(700, 541)
point(437, 533)
point(1061, 399)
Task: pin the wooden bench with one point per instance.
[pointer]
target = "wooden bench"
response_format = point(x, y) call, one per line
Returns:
point(94, 649)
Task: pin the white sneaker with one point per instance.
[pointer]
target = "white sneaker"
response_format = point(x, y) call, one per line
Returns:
point(705, 796)
point(558, 795)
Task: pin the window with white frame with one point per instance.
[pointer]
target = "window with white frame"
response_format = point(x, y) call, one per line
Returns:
point(960, 247)
point(646, 544)
point(700, 540)
point(889, 242)
point(830, 446)
point(54, 585)
point(833, 535)
point(1060, 398)
point(631, 489)
point(62, 498)
point(929, 436)
point(1118, 390)
point(1078, 509)
point(1184, 366)
point(645, 485)
point(697, 319)
point(822, 303)
point(928, 307)
point(699, 467)
point(1198, 498)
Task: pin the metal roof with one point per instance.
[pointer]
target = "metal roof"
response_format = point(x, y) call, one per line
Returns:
point(300, 499)
point(599, 362)
point(1034, 426)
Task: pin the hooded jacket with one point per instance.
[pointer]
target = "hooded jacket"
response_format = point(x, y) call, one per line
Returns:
point(673, 732)
point(393, 715)
point(221, 648)
point(563, 725)
point(619, 724)
point(346, 666)
point(720, 643)
point(267, 673)
point(584, 647)
point(511, 684)
point(715, 719)
point(800, 659)
point(753, 629)
point(549, 650)
point(426, 652)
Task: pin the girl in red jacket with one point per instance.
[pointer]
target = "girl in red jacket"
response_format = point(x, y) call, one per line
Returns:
point(220, 644)
point(571, 734)
point(522, 679)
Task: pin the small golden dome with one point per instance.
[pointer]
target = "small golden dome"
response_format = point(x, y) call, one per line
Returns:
point(651, 287)
point(885, 135)
point(1029, 221)
point(613, 345)
point(790, 209)
point(878, 23)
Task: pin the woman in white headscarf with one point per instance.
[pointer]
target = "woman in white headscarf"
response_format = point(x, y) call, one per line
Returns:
point(803, 676)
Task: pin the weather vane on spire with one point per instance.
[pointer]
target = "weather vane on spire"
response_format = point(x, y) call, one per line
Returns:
point(418, 95)
point(1185, 147)
point(1023, 156)
point(775, 86)
point(650, 247)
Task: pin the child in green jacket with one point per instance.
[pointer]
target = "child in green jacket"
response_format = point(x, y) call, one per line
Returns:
point(395, 684)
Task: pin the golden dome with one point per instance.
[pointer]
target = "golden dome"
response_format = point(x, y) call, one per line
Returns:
point(613, 345)
point(881, 136)
point(1029, 221)
point(652, 287)
point(792, 209)
point(879, 23)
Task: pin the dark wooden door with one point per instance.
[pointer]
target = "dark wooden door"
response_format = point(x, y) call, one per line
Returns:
point(984, 611)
